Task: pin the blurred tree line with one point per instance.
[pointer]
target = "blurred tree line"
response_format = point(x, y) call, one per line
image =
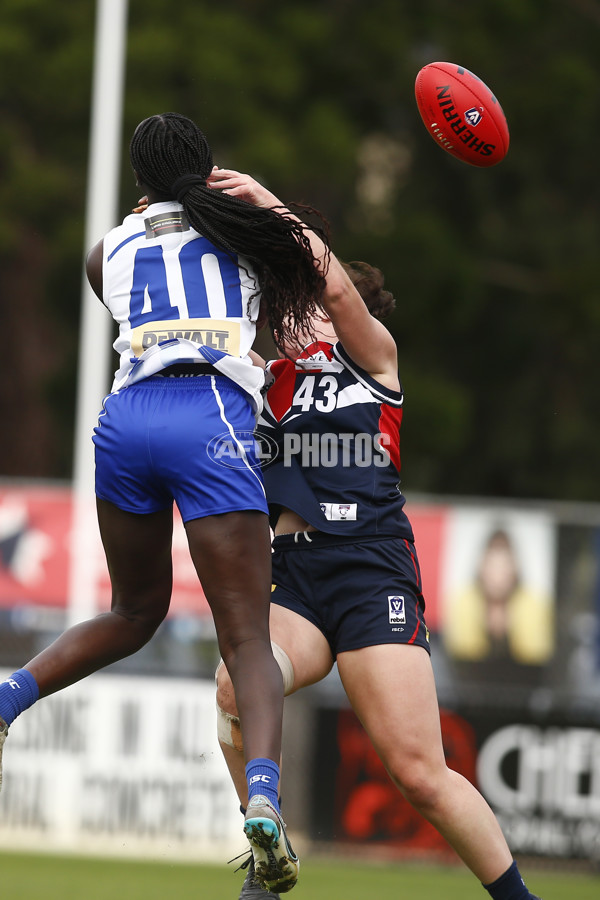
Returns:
point(495, 271)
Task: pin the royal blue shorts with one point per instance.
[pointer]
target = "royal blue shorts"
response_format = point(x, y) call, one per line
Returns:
point(357, 593)
point(188, 440)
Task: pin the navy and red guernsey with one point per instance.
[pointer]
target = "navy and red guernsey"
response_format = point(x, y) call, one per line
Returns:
point(330, 437)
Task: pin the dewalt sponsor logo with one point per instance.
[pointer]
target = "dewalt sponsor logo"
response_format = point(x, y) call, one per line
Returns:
point(216, 334)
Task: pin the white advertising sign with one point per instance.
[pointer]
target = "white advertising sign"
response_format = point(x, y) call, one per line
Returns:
point(121, 765)
point(544, 785)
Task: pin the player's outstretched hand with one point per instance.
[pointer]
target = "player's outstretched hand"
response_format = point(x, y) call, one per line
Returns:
point(242, 186)
point(143, 205)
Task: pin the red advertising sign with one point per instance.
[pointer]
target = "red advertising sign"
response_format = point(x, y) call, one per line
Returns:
point(429, 524)
point(35, 560)
point(368, 806)
point(35, 524)
point(35, 533)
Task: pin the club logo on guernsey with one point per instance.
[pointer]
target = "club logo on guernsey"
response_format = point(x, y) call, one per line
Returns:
point(340, 512)
point(397, 611)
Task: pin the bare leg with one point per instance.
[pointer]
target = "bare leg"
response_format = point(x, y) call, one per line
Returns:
point(138, 552)
point(232, 555)
point(408, 739)
point(311, 659)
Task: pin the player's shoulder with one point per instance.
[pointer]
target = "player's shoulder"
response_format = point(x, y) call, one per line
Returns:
point(121, 235)
point(387, 393)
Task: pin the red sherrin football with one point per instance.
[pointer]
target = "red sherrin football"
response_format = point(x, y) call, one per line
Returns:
point(461, 114)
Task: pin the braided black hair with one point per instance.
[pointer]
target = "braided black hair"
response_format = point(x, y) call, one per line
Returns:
point(171, 155)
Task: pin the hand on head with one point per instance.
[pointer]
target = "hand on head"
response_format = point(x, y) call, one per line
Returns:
point(236, 184)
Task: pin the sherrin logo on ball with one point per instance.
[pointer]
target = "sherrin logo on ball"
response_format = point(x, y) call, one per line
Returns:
point(461, 114)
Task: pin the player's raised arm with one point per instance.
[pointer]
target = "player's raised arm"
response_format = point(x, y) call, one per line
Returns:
point(365, 339)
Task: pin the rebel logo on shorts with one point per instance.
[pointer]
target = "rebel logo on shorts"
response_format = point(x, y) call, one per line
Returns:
point(397, 612)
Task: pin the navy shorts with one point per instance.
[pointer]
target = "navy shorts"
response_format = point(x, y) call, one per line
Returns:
point(188, 440)
point(357, 593)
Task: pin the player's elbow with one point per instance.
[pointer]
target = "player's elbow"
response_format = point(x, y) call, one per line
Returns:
point(339, 294)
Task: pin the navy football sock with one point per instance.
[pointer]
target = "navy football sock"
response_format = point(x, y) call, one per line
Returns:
point(17, 693)
point(263, 778)
point(510, 886)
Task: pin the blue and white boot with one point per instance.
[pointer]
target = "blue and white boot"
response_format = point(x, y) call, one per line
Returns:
point(276, 865)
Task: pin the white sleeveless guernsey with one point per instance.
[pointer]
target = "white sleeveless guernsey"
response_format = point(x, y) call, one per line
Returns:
point(178, 298)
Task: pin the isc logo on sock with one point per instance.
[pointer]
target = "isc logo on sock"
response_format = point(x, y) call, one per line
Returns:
point(256, 778)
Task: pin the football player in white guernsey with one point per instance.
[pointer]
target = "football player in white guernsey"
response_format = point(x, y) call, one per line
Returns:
point(186, 280)
point(349, 592)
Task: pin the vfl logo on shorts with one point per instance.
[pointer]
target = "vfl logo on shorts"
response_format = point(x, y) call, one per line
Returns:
point(397, 612)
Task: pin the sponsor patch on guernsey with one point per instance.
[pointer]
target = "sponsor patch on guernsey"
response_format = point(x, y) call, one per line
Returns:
point(339, 512)
point(166, 223)
point(218, 334)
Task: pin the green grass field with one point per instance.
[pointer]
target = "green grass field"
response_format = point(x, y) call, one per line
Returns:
point(28, 877)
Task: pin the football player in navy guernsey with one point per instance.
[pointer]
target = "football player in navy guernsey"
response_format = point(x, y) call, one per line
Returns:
point(185, 279)
point(346, 579)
